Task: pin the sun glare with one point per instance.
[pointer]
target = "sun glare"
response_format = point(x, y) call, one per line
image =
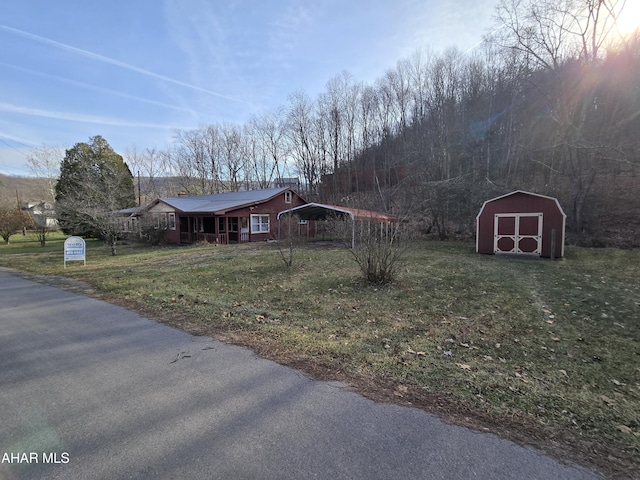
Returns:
point(629, 19)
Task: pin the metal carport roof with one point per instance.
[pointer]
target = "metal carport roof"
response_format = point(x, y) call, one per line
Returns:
point(320, 211)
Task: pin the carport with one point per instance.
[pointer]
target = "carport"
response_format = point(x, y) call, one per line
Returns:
point(319, 211)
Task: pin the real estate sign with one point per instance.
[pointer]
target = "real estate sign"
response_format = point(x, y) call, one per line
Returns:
point(74, 249)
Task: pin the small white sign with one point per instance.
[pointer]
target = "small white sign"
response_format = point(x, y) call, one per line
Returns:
point(74, 249)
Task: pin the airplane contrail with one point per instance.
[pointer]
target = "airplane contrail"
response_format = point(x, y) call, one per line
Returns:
point(75, 117)
point(99, 89)
point(112, 61)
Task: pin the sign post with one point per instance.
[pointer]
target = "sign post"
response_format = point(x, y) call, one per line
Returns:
point(74, 249)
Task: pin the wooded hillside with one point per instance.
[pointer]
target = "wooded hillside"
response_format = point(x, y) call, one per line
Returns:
point(572, 132)
point(14, 190)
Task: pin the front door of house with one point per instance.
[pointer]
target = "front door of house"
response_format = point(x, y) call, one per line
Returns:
point(519, 233)
point(244, 229)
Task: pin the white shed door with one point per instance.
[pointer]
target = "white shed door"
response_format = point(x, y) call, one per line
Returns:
point(518, 233)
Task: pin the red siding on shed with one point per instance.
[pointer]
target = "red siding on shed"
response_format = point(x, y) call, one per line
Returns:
point(520, 202)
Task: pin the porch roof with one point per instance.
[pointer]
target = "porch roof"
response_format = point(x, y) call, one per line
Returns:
point(130, 211)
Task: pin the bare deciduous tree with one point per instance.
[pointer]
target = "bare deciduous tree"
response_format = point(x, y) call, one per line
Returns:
point(306, 135)
point(270, 131)
point(12, 220)
point(44, 163)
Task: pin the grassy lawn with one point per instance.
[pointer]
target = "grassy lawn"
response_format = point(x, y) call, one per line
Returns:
point(30, 244)
point(543, 352)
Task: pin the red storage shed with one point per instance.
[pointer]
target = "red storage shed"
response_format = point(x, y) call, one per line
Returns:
point(521, 223)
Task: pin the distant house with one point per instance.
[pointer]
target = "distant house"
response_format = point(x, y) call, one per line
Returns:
point(234, 217)
point(521, 223)
point(43, 214)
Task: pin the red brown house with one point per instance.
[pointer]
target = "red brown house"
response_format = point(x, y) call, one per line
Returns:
point(521, 223)
point(235, 217)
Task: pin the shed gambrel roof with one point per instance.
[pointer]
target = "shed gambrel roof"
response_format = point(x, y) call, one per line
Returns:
point(221, 203)
point(555, 200)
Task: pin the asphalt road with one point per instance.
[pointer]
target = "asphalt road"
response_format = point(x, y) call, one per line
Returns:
point(89, 390)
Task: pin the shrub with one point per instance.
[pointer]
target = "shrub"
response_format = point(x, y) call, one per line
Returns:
point(375, 246)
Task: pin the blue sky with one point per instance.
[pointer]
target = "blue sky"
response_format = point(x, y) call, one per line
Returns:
point(134, 71)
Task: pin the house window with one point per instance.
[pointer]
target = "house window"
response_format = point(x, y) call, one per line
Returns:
point(172, 221)
point(259, 223)
point(287, 196)
point(129, 224)
point(160, 221)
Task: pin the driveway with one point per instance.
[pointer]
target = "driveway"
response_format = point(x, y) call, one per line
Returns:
point(89, 390)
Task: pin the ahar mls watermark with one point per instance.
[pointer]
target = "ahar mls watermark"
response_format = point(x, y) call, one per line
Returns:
point(15, 458)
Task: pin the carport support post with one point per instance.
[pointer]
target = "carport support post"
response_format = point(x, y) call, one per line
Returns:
point(353, 233)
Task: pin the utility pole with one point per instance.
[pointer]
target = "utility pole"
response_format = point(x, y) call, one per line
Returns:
point(24, 228)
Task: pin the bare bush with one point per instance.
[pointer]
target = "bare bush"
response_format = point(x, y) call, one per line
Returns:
point(375, 246)
point(152, 229)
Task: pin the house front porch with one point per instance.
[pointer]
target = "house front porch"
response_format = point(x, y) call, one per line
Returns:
point(214, 229)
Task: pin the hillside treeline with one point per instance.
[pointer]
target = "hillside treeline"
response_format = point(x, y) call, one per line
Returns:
point(485, 128)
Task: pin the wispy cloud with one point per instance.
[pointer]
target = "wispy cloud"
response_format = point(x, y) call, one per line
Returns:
point(96, 88)
point(20, 140)
point(76, 117)
point(112, 61)
point(13, 152)
point(287, 28)
point(204, 40)
point(246, 47)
